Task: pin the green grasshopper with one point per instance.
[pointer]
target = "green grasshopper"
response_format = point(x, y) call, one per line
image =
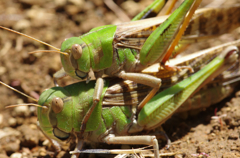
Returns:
point(63, 108)
point(110, 125)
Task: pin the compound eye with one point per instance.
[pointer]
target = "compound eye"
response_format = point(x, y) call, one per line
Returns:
point(76, 51)
point(60, 134)
point(57, 105)
point(80, 74)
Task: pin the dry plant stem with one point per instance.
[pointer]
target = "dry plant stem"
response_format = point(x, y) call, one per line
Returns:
point(117, 10)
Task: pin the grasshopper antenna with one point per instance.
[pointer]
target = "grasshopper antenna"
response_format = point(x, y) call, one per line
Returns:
point(47, 51)
point(18, 91)
point(22, 34)
point(11, 106)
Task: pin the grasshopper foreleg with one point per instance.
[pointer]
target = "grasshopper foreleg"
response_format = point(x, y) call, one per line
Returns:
point(96, 98)
point(58, 75)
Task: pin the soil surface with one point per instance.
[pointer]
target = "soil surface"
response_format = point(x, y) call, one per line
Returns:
point(52, 21)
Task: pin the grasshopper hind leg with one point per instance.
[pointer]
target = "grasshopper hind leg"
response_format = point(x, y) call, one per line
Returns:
point(134, 140)
point(143, 79)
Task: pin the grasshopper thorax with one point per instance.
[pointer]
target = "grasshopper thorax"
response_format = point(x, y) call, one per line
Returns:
point(77, 63)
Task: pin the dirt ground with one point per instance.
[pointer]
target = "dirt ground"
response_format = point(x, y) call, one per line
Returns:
point(54, 20)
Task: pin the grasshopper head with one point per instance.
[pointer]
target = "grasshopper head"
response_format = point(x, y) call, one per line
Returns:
point(56, 120)
point(77, 63)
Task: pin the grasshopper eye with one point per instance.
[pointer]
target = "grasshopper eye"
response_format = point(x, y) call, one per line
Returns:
point(80, 74)
point(76, 51)
point(60, 134)
point(57, 105)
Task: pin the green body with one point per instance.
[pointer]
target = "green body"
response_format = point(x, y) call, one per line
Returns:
point(98, 50)
point(76, 104)
point(113, 48)
point(120, 120)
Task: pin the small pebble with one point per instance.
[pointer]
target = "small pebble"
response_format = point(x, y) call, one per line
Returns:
point(45, 143)
point(33, 120)
point(20, 120)
point(33, 126)
point(178, 156)
point(20, 101)
point(60, 3)
point(79, 3)
point(228, 155)
point(7, 131)
point(72, 9)
point(12, 147)
point(3, 156)
point(31, 2)
point(12, 122)
point(2, 70)
point(37, 13)
point(32, 109)
point(42, 152)
point(15, 83)
point(131, 8)
point(16, 155)
point(21, 111)
point(25, 155)
point(22, 24)
point(233, 135)
point(61, 154)
point(31, 136)
point(1, 119)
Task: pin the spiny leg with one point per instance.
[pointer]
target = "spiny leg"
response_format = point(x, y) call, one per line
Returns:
point(228, 50)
